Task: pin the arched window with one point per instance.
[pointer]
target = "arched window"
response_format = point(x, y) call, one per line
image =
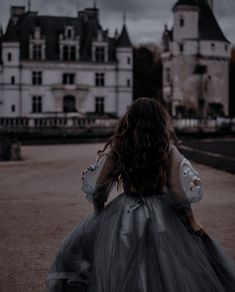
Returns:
point(181, 20)
point(69, 104)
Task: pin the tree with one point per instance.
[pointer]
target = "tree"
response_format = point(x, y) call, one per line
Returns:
point(147, 74)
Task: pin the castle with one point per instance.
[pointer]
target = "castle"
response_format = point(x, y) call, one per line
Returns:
point(52, 66)
point(195, 55)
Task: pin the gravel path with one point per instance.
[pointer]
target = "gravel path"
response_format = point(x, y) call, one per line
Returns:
point(41, 201)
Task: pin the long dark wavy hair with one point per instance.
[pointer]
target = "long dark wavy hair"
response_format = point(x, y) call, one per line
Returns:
point(139, 147)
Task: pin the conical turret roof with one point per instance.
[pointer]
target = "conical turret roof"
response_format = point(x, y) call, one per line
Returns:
point(124, 39)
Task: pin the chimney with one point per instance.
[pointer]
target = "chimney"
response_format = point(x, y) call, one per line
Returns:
point(89, 14)
point(16, 12)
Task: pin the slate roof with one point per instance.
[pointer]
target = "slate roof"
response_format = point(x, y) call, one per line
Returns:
point(52, 26)
point(185, 2)
point(209, 28)
point(124, 40)
point(11, 34)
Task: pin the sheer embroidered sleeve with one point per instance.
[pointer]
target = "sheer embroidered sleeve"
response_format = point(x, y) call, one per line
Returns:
point(184, 183)
point(97, 180)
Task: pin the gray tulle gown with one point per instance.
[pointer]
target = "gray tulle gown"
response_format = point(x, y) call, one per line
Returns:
point(140, 243)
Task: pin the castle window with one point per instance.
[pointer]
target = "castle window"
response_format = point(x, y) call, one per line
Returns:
point(168, 75)
point(99, 79)
point(128, 82)
point(181, 47)
point(99, 105)
point(213, 46)
point(37, 78)
point(69, 104)
point(128, 60)
point(69, 53)
point(226, 48)
point(100, 54)
point(36, 104)
point(37, 52)
point(9, 57)
point(69, 33)
point(73, 53)
point(12, 79)
point(181, 21)
point(68, 78)
point(65, 53)
point(13, 108)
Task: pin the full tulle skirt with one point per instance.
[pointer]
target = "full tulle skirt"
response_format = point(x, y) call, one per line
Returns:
point(140, 244)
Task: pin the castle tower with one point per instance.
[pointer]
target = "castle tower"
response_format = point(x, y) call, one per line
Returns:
point(196, 66)
point(186, 14)
point(11, 70)
point(124, 55)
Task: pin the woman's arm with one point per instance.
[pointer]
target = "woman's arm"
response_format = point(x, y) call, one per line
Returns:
point(104, 183)
point(187, 215)
point(97, 180)
point(185, 187)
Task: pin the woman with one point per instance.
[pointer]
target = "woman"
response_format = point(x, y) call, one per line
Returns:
point(146, 239)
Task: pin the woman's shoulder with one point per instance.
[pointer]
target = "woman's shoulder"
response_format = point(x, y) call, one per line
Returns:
point(104, 153)
point(174, 153)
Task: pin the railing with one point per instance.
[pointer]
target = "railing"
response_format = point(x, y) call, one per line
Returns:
point(182, 124)
point(57, 122)
point(205, 125)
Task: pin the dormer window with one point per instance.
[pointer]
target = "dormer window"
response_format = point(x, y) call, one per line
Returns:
point(73, 53)
point(37, 45)
point(213, 46)
point(100, 47)
point(69, 45)
point(181, 20)
point(100, 54)
point(69, 53)
point(37, 52)
point(65, 53)
point(69, 33)
point(37, 32)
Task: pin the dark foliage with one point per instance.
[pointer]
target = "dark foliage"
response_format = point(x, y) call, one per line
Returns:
point(147, 74)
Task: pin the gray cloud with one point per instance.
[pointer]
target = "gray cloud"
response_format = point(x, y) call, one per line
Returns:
point(145, 19)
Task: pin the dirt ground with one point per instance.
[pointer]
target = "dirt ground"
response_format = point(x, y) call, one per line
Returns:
point(41, 201)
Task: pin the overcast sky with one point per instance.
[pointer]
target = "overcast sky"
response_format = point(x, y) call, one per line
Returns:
point(145, 18)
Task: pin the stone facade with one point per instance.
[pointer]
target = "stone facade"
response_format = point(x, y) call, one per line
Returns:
point(195, 56)
point(54, 65)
